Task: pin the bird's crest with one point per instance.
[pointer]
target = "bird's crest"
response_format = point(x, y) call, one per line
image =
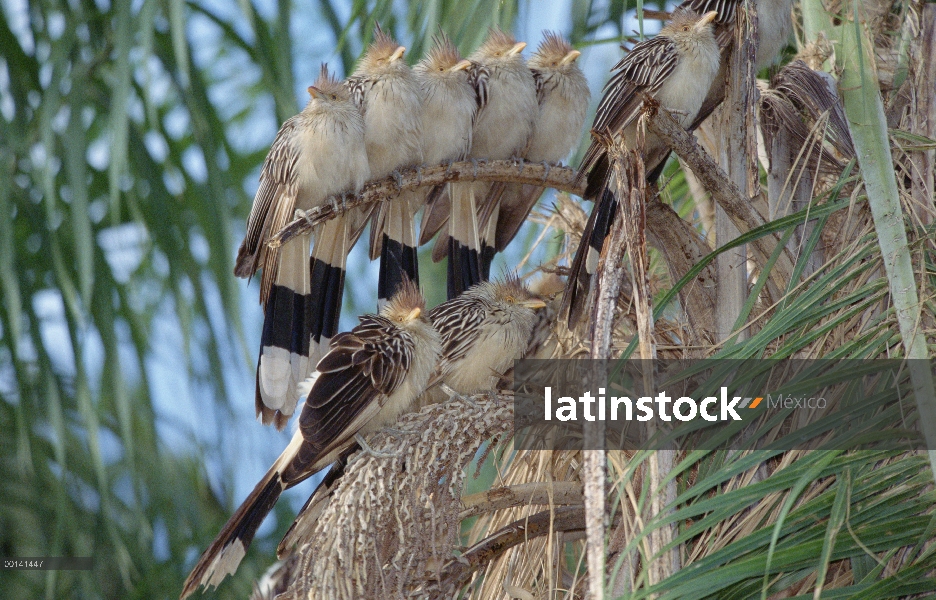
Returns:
point(328, 83)
point(497, 41)
point(443, 53)
point(553, 46)
point(405, 302)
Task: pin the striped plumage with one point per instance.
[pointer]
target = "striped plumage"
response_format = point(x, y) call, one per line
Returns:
point(368, 378)
point(774, 27)
point(300, 172)
point(482, 332)
point(562, 96)
point(507, 109)
point(677, 68)
point(390, 98)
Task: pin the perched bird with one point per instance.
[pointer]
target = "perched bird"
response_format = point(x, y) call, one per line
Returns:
point(391, 100)
point(507, 110)
point(300, 172)
point(449, 110)
point(563, 96)
point(482, 332)
point(677, 68)
point(774, 27)
point(368, 378)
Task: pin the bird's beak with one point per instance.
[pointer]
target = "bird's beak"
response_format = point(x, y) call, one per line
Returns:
point(461, 65)
point(570, 57)
point(517, 48)
point(315, 92)
point(414, 314)
point(534, 303)
point(707, 18)
point(397, 54)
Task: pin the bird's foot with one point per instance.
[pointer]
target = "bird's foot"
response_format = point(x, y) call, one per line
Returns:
point(398, 177)
point(520, 163)
point(418, 174)
point(448, 167)
point(366, 449)
point(546, 168)
point(304, 215)
point(453, 394)
point(475, 162)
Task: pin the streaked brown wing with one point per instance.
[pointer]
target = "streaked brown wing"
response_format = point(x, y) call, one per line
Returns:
point(457, 323)
point(362, 368)
point(274, 203)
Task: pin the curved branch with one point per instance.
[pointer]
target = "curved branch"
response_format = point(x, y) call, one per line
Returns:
point(508, 171)
point(456, 574)
point(543, 493)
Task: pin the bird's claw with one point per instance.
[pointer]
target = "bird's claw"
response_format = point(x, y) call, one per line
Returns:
point(419, 175)
point(304, 215)
point(518, 160)
point(398, 177)
point(453, 394)
point(448, 167)
point(474, 167)
point(546, 168)
point(366, 449)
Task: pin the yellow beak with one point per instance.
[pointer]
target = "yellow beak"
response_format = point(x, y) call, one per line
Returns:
point(397, 54)
point(570, 57)
point(315, 92)
point(414, 314)
point(707, 18)
point(534, 303)
point(460, 65)
point(517, 49)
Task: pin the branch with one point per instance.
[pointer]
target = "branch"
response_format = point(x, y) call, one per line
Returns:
point(456, 574)
point(524, 494)
point(723, 190)
point(559, 178)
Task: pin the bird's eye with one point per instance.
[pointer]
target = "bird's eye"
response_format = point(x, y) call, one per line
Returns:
point(511, 299)
point(686, 28)
point(441, 69)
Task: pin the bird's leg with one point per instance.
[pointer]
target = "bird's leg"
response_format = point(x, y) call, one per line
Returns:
point(448, 167)
point(518, 160)
point(304, 215)
point(399, 179)
point(399, 433)
point(366, 449)
point(418, 174)
point(453, 394)
point(475, 162)
point(546, 169)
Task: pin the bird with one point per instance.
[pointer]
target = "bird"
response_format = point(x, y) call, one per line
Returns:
point(482, 332)
point(677, 68)
point(562, 95)
point(507, 110)
point(390, 97)
point(774, 27)
point(300, 172)
point(369, 377)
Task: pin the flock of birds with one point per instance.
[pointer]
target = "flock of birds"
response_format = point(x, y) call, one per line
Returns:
point(387, 116)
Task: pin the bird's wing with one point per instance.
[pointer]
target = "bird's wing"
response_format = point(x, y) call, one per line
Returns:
point(273, 205)
point(362, 368)
point(478, 76)
point(457, 322)
point(357, 88)
point(643, 69)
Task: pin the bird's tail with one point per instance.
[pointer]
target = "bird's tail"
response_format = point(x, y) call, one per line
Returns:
point(518, 201)
point(228, 549)
point(393, 238)
point(300, 532)
point(464, 247)
point(333, 241)
point(585, 263)
point(284, 343)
